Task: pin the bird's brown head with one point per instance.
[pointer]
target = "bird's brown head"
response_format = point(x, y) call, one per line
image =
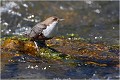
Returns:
point(51, 19)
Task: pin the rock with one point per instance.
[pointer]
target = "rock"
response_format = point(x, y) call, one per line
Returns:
point(60, 48)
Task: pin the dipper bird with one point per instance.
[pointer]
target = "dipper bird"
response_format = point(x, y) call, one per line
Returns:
point(44, 30)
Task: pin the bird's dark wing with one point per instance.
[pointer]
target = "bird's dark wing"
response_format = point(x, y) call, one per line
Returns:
point(36, 30)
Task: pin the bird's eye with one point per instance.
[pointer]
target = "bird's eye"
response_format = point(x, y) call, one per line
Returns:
point(55, 19)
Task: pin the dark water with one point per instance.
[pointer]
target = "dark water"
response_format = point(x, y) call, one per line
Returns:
point(95, 20)
point(22, 69)
point(98, 20)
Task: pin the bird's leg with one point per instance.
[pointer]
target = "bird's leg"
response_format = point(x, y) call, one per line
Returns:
point(36, 46)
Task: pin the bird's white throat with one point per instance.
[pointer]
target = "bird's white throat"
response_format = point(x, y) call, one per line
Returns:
point(50, 30)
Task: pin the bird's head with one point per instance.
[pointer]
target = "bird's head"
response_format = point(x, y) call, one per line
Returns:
point(51, 20)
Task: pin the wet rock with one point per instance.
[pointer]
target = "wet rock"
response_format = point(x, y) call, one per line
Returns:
point(69, 48)
point(13, 44)
point(29, 48)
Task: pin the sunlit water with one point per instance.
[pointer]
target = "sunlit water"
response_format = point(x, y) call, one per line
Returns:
point(19, 16)
point(41, 69)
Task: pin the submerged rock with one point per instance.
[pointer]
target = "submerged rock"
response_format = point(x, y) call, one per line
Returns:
point(73, 49)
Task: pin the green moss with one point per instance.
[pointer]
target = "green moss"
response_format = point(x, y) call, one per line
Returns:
point(64, 49)
point(48, 53)
point(115, 47)
point(23, 38)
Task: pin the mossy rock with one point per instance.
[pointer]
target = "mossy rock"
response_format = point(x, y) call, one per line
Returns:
point(81, 50)
point(65, 48)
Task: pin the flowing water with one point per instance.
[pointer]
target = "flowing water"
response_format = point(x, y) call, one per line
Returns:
point(94, 20)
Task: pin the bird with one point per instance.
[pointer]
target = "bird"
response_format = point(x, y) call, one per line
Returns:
point(43, 30)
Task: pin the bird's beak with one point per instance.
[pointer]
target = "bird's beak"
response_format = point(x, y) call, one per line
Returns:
point(61, 19)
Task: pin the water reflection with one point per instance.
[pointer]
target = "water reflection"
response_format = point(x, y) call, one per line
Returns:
point(81, 17)
point(95, 20)
point(28, 70)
